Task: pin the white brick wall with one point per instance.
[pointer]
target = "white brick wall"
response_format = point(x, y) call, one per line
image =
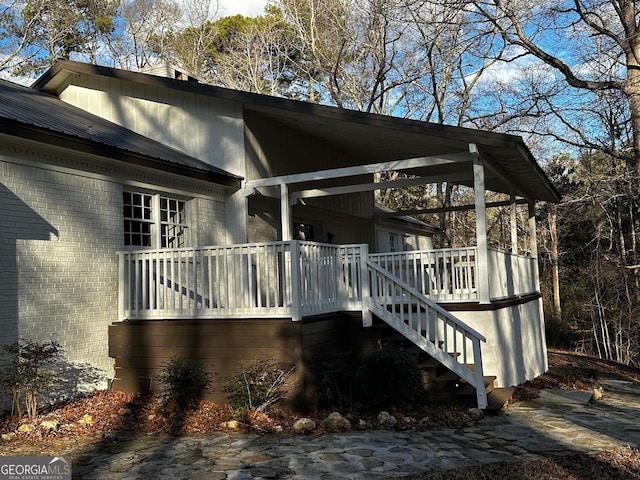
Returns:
point(208, 220)
point(59, 234)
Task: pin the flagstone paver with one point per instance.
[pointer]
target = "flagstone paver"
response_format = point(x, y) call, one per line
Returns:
point(559, 423)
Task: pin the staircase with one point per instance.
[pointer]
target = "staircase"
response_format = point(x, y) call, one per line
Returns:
point(446, 339)
point(441, 385)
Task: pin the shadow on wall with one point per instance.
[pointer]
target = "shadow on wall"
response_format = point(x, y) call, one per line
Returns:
point(18, 222)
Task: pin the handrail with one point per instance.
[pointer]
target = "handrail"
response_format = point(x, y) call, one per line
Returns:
point(429, 326)
point(276, 279)
point(443, 275)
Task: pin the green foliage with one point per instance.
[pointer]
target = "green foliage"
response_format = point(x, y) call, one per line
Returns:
point(183, 382)
point(388, 378)
point(31, 372)
point(258, 386)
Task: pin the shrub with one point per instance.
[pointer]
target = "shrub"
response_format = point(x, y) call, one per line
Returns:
point(335, 384)
point(388, 378)
point(31, 372)
point(183, 381)
point(258, 386)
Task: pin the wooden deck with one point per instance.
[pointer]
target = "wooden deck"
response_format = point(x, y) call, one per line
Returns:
point(226, 304)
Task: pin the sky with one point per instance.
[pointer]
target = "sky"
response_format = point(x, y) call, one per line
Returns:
point(248, 8)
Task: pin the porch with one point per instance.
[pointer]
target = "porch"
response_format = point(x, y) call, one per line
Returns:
point(260, 281)
point(297, 279)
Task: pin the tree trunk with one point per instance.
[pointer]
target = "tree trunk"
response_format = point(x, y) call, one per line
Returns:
point(555, 268)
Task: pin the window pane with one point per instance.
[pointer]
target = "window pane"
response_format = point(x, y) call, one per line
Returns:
point(173, 225)
point(137, 219)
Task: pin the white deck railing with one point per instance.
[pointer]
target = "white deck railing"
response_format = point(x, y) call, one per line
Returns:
point(443, 275)
point(257, 280)
point(429, 326)
point(249, 280)
point(296, 279)
point(511, 275)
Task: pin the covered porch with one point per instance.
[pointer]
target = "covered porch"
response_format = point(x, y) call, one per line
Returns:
point(414, 292)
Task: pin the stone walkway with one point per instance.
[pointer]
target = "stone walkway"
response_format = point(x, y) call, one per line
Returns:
point(559, 423)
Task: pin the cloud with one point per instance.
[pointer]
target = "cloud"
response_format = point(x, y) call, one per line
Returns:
point(248, 8)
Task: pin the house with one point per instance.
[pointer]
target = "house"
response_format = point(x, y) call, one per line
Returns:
point(148, 217)
point(400, 233)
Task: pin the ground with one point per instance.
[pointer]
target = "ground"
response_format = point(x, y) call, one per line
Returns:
point(80, 423)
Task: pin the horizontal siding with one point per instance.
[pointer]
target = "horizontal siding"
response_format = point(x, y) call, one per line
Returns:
point(141, 348)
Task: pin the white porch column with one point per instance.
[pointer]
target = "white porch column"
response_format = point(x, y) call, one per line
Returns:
point(482, 272)
point(285, 213)
point(533, 244)
point(514, 224)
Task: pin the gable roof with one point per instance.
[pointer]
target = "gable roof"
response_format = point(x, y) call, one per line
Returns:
point(365, 137)
point(405, 221)
point(34, 115)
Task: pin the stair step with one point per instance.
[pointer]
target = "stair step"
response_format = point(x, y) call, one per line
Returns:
point(448, 375)
point(432, 363)
point(429, 364)
point(498, 398)
point(468, 390)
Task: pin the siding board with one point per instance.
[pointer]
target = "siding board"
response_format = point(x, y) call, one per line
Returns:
point(140, 348)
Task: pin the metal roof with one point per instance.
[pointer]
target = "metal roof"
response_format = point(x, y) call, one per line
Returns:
point(365, 138)
point(35, 115)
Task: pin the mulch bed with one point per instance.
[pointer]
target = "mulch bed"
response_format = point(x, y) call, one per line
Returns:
point(85, 421)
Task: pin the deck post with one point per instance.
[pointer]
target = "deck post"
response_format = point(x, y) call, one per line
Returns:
point(481, 226)
point(121, 286)
point(296, 294)
point(514, 224)
point(365, 288)
point(478, 373)
point(285, 213)
point(533, 241)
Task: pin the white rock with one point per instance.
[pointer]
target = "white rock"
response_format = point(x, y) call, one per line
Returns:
point(335, 421)
point(304, 425)
point(50, 424)
point(386, 420)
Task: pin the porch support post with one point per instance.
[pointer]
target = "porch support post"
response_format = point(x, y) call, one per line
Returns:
point(514, 224)
point(533, 244)
point(285, 213)
point(481, 226)
point(296, 283)
point(365, 288)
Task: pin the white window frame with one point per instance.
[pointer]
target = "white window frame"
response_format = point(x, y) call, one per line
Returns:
point(393, 242)
point(156, 223)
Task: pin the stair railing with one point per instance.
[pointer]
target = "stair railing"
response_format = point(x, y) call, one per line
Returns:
point(432, 328)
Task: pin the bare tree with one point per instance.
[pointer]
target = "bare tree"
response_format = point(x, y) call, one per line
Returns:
point(256, 58)
point(144, 34)
point(591, 45)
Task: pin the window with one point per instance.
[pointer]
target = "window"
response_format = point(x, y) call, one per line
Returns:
point(393, 242)
point(153, 220)
point(303, 231)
